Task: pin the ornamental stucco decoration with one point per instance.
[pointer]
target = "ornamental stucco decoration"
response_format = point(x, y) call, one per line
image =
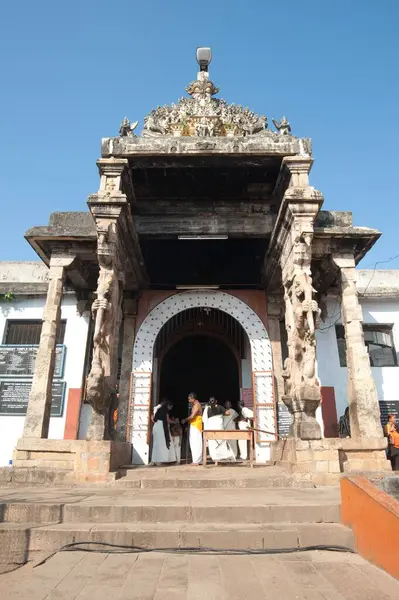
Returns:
point(203, 116)
point(248, 319)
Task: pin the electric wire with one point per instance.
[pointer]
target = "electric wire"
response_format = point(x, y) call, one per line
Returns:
point(108, 548)
point(379, 262)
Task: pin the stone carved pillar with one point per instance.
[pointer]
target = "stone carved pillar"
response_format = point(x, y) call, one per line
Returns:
point(129, 332)
point(300, 206)
point(39, 406)
point(274, 310)
point(364, 410)
point(107, 208)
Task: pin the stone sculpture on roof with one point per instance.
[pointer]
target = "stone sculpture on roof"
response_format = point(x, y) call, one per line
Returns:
point(203, 115)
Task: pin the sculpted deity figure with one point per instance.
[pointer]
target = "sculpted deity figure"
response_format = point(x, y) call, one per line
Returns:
point(301, 386)
point(284, 128)
point(307, 318)
point(126, 129)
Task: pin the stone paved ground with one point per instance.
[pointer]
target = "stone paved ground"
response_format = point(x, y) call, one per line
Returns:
point(304, 576)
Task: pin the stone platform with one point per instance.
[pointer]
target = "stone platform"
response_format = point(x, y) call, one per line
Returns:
point(323, 461)
point(43, 461)
point(306, 576)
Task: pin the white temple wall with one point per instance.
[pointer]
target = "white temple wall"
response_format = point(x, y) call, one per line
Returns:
point(375, 311)
point(11, 427)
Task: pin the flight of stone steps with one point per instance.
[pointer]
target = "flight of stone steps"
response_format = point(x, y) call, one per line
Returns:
point(182, 508)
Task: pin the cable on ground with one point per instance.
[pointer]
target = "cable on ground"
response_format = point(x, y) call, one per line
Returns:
point(107, 548)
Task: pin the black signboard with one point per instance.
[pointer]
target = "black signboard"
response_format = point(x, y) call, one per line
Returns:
point(14, 396)
point(388, 407)
point(19, 361)
point(284, 420)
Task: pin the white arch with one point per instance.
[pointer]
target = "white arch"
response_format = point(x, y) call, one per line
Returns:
point(261, 360)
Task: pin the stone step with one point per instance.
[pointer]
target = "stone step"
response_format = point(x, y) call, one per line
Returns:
point(220, 477)
point(27, 539)
point(214, 483)
point(167, 506)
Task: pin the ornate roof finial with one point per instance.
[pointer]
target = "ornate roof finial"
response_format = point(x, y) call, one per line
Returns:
point(202, 115)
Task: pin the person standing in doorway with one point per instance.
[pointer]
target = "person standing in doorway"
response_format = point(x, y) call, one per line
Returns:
point(195, 420)
point(176, 432)
point(156, 408)
point(244, 423)
point(229, 424)
point(163, 450)
point(219, 450)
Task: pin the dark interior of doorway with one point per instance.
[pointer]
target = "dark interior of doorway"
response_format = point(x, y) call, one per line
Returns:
point(202, 364)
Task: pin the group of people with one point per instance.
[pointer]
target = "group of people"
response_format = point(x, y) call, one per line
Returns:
point(167, 431)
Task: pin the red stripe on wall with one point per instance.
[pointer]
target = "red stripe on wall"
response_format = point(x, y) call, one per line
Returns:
point(329, 412)
point(72, 414)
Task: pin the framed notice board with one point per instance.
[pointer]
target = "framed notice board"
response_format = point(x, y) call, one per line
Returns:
point(19, 361)
point(388, 407)
point(14, 397)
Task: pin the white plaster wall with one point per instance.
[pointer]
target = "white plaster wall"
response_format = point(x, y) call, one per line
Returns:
point(246, 367)
point(11, 428)
point(329, 370)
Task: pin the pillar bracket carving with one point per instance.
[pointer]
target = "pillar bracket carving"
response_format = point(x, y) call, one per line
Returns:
point(120, 266)
point(290, 255)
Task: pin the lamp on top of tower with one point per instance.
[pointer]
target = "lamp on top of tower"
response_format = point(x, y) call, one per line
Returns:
point(204, 57)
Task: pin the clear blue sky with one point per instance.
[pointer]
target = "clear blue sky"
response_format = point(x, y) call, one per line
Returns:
point(72, 70)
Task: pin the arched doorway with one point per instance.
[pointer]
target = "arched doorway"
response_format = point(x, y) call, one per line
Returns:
point(145, 381)
point(203, 364)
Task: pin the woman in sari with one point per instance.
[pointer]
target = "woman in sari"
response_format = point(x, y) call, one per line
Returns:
point(229, 424)
point(219, 450)
point(195, 420)
point(163, 450)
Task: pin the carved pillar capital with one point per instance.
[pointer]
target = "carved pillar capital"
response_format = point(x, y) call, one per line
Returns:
point(111, 172)
point(299, 168)
point(129, 307)
point(61, 260)
point(275, 306)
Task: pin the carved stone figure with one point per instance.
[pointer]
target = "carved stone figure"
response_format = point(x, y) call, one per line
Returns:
point(126, 129)
point(284, 128)
point(301, 386)
point(101, 381)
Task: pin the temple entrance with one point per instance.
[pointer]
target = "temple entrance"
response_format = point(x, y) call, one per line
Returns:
point(207, 314)
point(202, 364)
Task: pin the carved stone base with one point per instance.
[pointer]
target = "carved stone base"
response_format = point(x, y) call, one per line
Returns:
point(98, 428)
point(323, 461)
point(79, 460)
point(304, 424)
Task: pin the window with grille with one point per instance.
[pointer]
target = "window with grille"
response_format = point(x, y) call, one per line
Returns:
point(27, 332)
point(379, 342)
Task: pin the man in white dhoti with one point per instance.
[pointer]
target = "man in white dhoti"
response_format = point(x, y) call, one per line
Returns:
point(244, 423)
point(229, 424)
point(219, 450)
point(163, 451)
point(195, 420)
point(158, 406)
